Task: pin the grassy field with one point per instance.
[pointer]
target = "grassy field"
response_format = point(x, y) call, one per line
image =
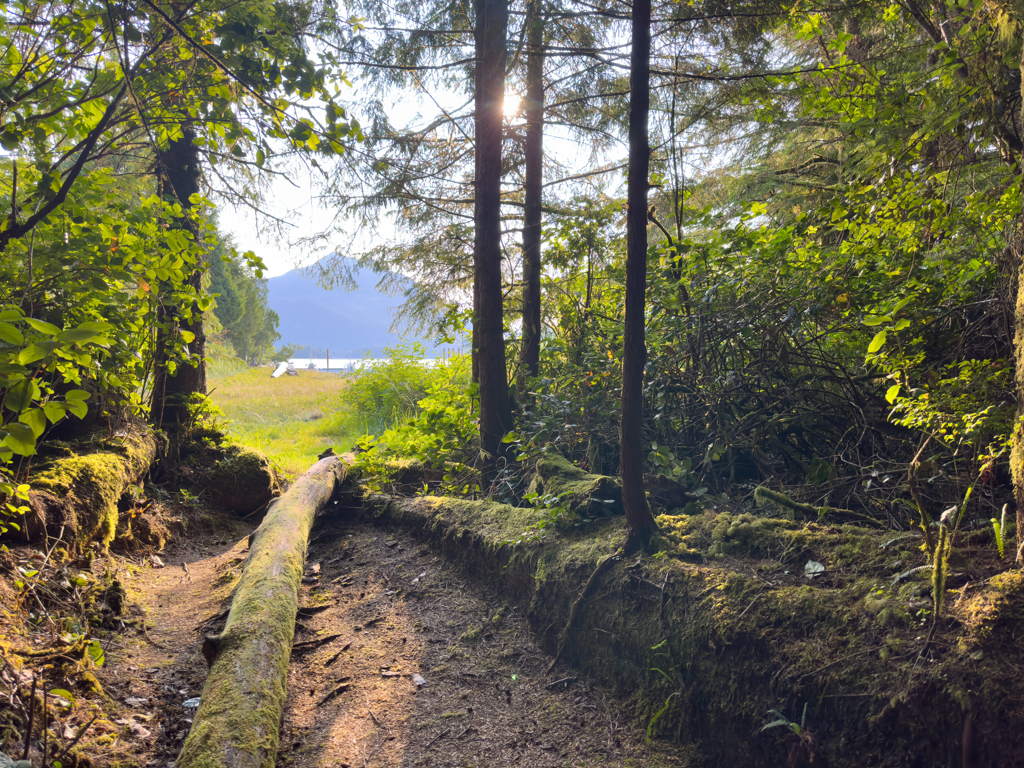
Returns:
point(291, 419)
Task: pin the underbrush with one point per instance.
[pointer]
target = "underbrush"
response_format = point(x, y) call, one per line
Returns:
point(420, 412)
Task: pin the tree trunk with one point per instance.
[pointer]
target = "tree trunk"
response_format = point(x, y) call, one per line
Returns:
point(634, 349)
point(172, 393)
point(529, 356)
point(495, 406)
point(1017, 444)
point(238, 721)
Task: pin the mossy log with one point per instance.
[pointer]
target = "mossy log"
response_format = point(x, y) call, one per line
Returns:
point(79, 493)
point(585, 494)
point(237, 725)
point(244, 480)
point(705, 651)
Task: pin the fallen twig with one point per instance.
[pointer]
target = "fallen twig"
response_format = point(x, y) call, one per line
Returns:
point(439, 736)
point(74, 741)
point(336, 692)
point(336, 656)
point(309, 645)
point(565, 680)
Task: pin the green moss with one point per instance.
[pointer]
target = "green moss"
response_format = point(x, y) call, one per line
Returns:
point(744, 631)
point(244, 480)
point(83, 490)
point(585, 494)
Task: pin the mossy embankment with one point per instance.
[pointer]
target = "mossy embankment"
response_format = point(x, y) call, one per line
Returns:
point(724, 626)
point(76, 489)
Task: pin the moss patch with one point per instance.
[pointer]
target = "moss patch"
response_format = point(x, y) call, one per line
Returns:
point(244, 480)
point(80, 492)
point(585, 494)
point(723, 626)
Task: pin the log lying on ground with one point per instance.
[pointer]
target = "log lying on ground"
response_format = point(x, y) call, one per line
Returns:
point(710, 654)
point(79, 493)
point(590, 495)
point(242, 701)
point(585, 494)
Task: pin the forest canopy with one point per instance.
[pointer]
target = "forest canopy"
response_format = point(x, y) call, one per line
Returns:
point(813, 285)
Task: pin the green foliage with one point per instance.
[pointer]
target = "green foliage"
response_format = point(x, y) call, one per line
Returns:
point(437, 428)
point(248, 324)
point(80, 322)
point(385, 392)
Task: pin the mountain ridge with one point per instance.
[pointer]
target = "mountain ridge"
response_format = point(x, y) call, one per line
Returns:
point(351, 323)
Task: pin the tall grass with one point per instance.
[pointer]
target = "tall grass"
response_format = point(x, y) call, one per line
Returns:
point(291, 419)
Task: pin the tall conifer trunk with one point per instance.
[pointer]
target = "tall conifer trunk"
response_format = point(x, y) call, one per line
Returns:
point(495, 406)
point(634, 347)
point(529, 356)
point(1017, 445)
point(180, 174)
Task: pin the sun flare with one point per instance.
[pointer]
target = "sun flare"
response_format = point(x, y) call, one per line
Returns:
point(511, 105)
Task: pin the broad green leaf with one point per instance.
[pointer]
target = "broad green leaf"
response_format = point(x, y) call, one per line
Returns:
point(76, 335)
point(877, 320)
point(55, 411)
point(20, 396)
point(891, 393)
point(10, 334)
point(35, 419)
point(76, 394)
point(877, 342)
point(32, 353)
point(42, 326)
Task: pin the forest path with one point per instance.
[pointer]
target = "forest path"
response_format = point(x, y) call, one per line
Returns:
point(378, 608)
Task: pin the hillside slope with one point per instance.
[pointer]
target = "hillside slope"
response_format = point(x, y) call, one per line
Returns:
point(349, 323)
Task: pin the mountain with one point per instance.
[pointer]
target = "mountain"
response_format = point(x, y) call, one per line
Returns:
point(349, 323)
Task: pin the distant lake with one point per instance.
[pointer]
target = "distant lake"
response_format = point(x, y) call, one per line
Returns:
point(342, 364)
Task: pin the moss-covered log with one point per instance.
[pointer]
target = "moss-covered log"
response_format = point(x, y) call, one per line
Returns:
point(707, 650)
point(244, 480)
point(240, 711)
point(585, 494)
point(79, 492)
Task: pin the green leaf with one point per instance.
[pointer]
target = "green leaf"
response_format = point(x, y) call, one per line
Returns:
point(891, 393)
point(10, 334)
point(21, 395)
point(77, 335)
point(32, 353)
point(42, 326)
point(76, 394)
point(60, 693)
point(901, 324)
point(876, 320)
point(55, 411)
point(95, 652)
point(78, 408)
point(36, 421)
point(877, 342)
point(20, 439)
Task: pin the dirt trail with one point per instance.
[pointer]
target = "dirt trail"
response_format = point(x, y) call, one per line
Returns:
point(378, 609)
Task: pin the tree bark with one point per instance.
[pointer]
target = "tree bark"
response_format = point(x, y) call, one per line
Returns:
point(634, 349)
point(172, 393)
point(529, 356)
point(237, 724)
point(1017, 443)
point(495, 405)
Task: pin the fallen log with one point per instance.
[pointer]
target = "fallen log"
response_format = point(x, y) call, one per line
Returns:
point(78, 493)
point(237, 724)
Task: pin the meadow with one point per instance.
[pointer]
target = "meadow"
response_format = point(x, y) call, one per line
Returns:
point(290, 419)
